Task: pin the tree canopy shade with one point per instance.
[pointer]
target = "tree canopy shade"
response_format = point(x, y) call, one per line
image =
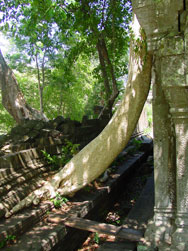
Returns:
point(98, 29)
point(63, 38)
point(104, 26)
point(85, 167)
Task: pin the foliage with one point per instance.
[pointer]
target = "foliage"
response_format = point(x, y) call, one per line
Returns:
point(54, 160)
point(136, 143)
point(67, 152)
point(6, 120)
point(104, 25)
point(135, 146)
point(56, 54)
point(87, 188)
point(69, 95)
point(96, 238)
point(59, 200)
point(8, 239)
point(149, 114)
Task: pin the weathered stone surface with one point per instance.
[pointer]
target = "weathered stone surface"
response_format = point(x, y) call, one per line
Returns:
point(173, 71)
point(33, 133)
point(33, 228)
point(166, 29)
point(171, 45)
point(23, 171)
point(158, 17)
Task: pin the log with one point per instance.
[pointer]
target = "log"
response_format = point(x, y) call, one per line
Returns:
point(103, 228)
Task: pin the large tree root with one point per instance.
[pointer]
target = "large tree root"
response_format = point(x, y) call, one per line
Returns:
point(93, 160)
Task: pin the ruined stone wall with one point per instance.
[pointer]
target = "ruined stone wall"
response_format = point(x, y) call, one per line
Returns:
point(40, 134)
point(23, 167)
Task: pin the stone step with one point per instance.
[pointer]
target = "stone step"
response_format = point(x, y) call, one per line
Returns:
point(84, 204)
point(14, 196)
point(21, 173)
point(43, 236)
point(21, 222)
point(17, 178)
point(24, 158)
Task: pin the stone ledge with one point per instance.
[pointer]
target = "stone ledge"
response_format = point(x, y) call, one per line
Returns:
point(84, 204)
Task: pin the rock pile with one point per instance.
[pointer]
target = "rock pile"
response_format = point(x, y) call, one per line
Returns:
point(36, 133)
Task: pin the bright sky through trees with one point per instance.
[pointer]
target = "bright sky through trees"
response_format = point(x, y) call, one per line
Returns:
point(4, 44)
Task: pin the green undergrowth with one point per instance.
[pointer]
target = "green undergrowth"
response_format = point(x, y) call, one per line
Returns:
point(10, 239)
point(59, 200)
point(67, 152)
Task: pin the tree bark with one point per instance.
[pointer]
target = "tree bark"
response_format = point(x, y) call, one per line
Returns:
point(104, 72)
point(41, 82)
point(107, 69)
point(111, 92)
point(95, 158)
point(12, 97)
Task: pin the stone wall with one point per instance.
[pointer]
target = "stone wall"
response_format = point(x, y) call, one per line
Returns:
point(32, 133)
point(22, 164)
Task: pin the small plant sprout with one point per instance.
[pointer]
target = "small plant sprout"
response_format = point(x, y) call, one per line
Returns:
point(8, 240)
point(137, 143)
point(96, 238)
point(58, 201)
point(52, 160)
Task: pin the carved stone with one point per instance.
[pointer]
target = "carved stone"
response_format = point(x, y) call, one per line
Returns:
point(166, 27)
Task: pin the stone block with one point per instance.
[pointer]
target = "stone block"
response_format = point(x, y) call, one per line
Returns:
point(173, 71)
point(142, 3)
point(147, 19)
point(172, 46)
point(177, 98)
point(179, 241)
point(152, 15)
point(186, 64)
point(186, 40)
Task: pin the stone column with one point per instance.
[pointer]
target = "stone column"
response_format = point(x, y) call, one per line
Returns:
point(159, 230)
point(166, 27)
point(175, 87)
point(180, 117)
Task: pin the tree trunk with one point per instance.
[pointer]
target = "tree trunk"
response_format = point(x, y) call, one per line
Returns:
point(12, 98)
point(107, 68)
point(95, 158)
point(104, 72)
point(41, 82)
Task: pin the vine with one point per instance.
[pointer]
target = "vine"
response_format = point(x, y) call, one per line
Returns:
point(140, 46)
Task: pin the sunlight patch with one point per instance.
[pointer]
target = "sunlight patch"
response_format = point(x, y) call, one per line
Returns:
point(85, 159)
